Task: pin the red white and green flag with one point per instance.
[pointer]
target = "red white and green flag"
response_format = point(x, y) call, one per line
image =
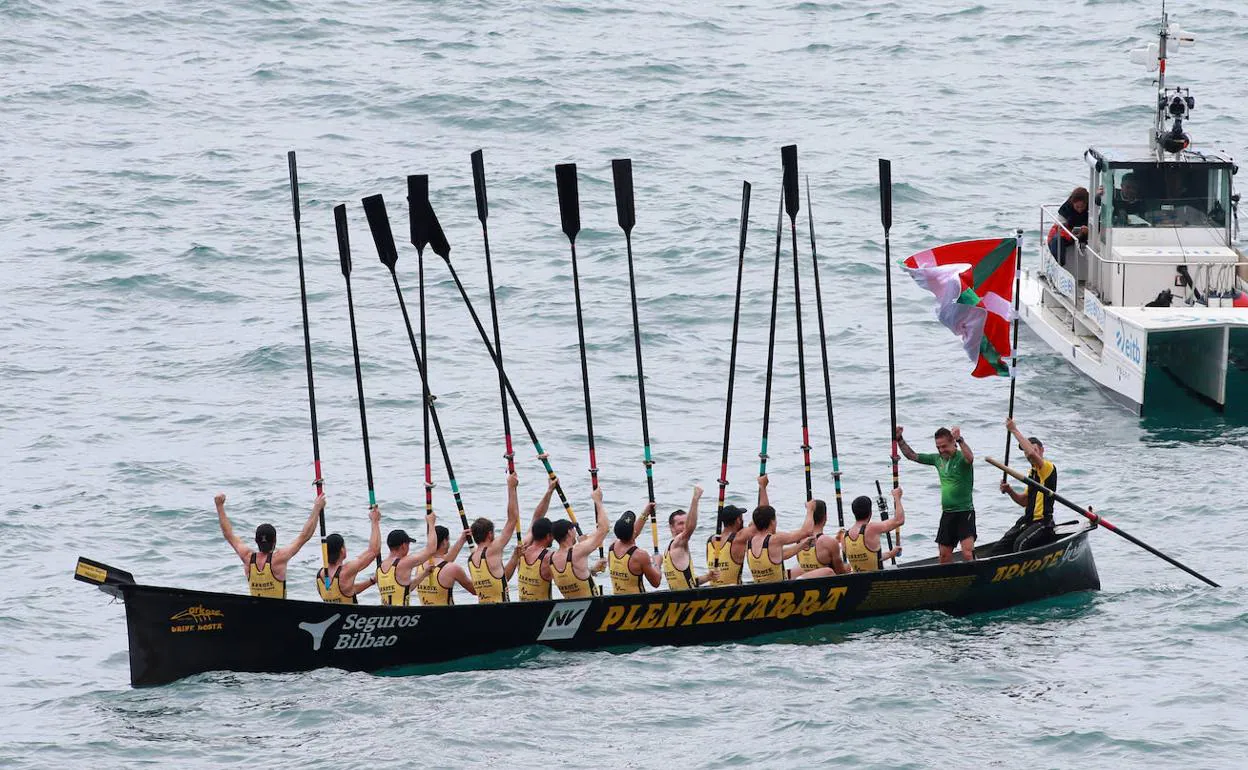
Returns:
point(974, 286)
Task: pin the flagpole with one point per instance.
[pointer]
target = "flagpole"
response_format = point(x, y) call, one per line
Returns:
point(1018, 269)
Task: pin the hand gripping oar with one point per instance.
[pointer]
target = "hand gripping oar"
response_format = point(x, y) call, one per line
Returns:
point(622, 173)
point(383, 238)
point(1018, 270)
point(483, 213)
point(771, 340)
point(823, 349)
point(792, 199)
point(1098, 519)
point(307, 350)
point(344, 258)
point(732, 355)
point(443, 249)
point(881, 503)
point(886, 218)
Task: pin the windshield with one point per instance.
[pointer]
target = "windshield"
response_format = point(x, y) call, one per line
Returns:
point(1171, 195)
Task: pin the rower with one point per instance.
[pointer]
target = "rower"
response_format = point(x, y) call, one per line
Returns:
point(862, 541)
point(485, 563)
point(677, 562)
point(768, 548)
point(335, 582)
point(569, 564)
point(394, 574)
point(435, 581)
point(627, 563)
point(725, 552)
point(534, 563)
point(1035, 526)
point(824, 551)
point(267, 576)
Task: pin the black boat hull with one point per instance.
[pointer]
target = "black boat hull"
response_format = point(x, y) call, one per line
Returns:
point(174, 633)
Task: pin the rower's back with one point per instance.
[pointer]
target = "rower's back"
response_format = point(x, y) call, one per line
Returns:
point(758, 555)
point(491, 587)
point(719, 548)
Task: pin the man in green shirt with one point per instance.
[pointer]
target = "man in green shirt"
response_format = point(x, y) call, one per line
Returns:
point(952, 458)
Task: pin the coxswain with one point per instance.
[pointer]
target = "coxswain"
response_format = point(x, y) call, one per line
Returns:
point(725, 551)
point(569, 563)
point(862, 541)
point(533, 568)
point(953, 460)
point(1035, 526)
point(823, 551)
point(335, 583)
point(627, 563)
point(769, 548)
point(485, 563)
point(394, 573)
point(677, 562)
point(265, 567)
point(435, 581)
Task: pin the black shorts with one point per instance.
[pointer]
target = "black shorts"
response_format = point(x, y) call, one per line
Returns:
point(955, 526)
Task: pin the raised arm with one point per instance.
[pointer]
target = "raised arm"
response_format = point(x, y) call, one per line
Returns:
point(906, 450)
point(1029, 449)
point(453, 554)
point(354, 566)
point(792, 549)
point(691, 520)
point(964, 447)
point(513, 517)
point(282, 555)
point(424, 554)
point(639, 525)
point(227, 530)
point(543, 505)
point(798, 535)
point(592, 541)
point(763, 481)
point(509, 568)
point(899, 514)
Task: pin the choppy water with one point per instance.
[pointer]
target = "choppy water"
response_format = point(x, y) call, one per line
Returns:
point(152, 356)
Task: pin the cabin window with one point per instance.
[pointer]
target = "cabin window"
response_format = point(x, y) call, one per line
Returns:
point(1171, 195)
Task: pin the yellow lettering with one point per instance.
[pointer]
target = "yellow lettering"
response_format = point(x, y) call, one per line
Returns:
point(712, 609)
point(760, 607)
point(651, 617)
point(614, 614)
point(693, 610)
point(1000, 574)
point(742, 603)
point(1012, 572)
point(671, 615)
point(784, 606)
point(832, 599)
point(810, 603)
point(630, 622)
point(723, 613)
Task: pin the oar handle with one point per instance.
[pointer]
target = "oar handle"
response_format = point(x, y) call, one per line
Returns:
point(1096, 518)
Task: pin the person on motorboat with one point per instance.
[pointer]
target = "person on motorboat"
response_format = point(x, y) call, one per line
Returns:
point(485, 563)
point(626, 562)
point(824, 551)
point(569, 563)
point(533, 566)
point(863, 551)
point(953, 460)
point(336, 583)
point(677, 561)
point(265, 567)
point(768, 548)
point(437, 579)
point(1035, 526)
point(725, 551)
point(1128, 199)
point(1074, 218)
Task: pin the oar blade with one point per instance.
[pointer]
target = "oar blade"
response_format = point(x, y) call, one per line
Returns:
point(417, 201)
point(622, 172)
point(478, 185)
point(379, 225)
point(344, 241)
point(745, 216)
point(294, 183)
point(792, 199)
point(569, 199)
point(437, 238)
point(886, 194)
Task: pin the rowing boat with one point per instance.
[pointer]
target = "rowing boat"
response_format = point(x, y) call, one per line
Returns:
point(176, 632)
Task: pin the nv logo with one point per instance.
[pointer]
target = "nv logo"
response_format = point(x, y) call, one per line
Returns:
point(564, 620)
point(317, 630)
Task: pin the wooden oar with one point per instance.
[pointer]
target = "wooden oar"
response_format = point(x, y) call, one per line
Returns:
point(792, 201)
point(483, 213)
point(886, 218)
point(1018, 269)
point(1097, 519)
point(418, 189)
point(344, 259)
point(307, 351)
point(823, 349)
point(383, 238)
point(732, 355)
point(442, 248)
point(771, 340)
point(622, 175)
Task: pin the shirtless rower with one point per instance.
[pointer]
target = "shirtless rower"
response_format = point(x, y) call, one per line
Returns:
point(394, 575)
point(823, 551)
point(569, 563)
point(534, 564)
point(267, 576)
point(677, 562)
point(485, 563)
point(627, 563)
point(436, 580)
point(336, 583)
point(769, 548)
point(862, 541)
